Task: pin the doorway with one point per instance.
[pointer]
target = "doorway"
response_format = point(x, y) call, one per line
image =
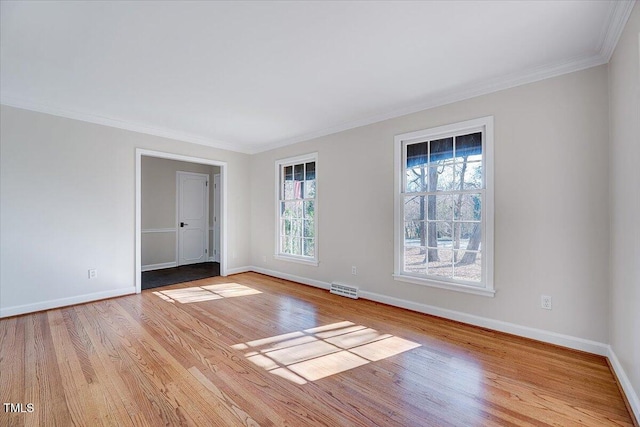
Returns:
point(194, 240)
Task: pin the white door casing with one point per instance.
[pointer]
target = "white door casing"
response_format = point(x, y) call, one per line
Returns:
point(139, 154)
point(216, 217)
point(192, 199)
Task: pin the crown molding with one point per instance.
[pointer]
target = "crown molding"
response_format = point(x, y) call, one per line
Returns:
point(619, 14)
point(448, 97)
point(119, 124)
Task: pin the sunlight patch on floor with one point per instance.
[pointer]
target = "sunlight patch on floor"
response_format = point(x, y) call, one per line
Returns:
point(205, 293)
point(322, 351)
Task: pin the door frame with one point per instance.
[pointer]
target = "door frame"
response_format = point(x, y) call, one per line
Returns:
point(216, 213)
point(138, 206)
point(207, 213)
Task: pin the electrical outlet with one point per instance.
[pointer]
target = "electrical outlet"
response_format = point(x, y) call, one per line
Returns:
point(354, 270)
point(545, 302)
point(264, 258)
point(93, 273)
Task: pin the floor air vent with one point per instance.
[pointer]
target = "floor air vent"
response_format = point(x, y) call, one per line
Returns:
point(344, 290)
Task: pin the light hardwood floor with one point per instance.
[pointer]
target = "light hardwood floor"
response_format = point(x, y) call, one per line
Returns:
point(254, 350)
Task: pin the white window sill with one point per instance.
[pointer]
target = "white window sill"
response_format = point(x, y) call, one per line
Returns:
point(446, 285)
point(299, 260)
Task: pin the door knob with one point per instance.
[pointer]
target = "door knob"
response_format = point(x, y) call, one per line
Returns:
point(182, 224)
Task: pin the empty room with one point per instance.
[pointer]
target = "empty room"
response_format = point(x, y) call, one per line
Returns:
point(320, 213)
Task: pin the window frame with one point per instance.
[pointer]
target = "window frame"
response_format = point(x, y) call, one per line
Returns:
point(279, 184)
point(485, 125)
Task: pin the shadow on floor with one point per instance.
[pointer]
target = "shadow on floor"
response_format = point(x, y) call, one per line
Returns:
point(184, 273)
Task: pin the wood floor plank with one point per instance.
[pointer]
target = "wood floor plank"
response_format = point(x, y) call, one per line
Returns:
point(45, 380)
point(103, 359)
point(12, 378)
point(252, 350)
point(31, 387)
point(244, 418)
point(108, 406)
point(11, 344)
point(82, 409)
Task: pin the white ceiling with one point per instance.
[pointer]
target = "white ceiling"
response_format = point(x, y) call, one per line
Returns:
point(250, 76)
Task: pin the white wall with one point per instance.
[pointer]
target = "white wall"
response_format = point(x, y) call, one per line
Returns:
point(158, 182)
point(624, 98)
point(68, 201)
point(551, 213)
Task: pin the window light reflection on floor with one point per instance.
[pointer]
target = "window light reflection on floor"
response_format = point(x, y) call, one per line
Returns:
point(205, 293)
point(319, 352)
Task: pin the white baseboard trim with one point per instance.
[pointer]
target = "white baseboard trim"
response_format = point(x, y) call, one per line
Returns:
point(162, 265)
point(484, 322)
point(293, 278)
point(238, 270)
point(493, 324)
point(63, 302)
point(625, 383)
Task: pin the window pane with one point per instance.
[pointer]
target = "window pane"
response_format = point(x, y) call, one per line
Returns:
point(287, 245)
point(468, 176)
point(415, 259)
point(310, 189)
point(309, 209)
point(415, 233)
point(288, 190)
point(285, 227)
point(415, 207)
point(467, 235)
point(298, 189)
point(292, 209)
point(470, 236)
point(441, 178)
point(292, 245)
point(310, 171)
point(288, 173)
point(417, 179)
point(298, 172)
point(440, 208)
point(416, 154)
point(296, 228)
point(309, 247)
point(441, 150)
point(443, 234)
point(469, 145)
point(309, 228)
point(442, 265)
point(468, 207)
point(469, 267)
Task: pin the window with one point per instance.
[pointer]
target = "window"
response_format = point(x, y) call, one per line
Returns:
point(444, 207)
point(296, 235)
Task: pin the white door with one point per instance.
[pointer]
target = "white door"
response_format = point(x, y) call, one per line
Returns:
point(193, 217)
point(216, 217)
